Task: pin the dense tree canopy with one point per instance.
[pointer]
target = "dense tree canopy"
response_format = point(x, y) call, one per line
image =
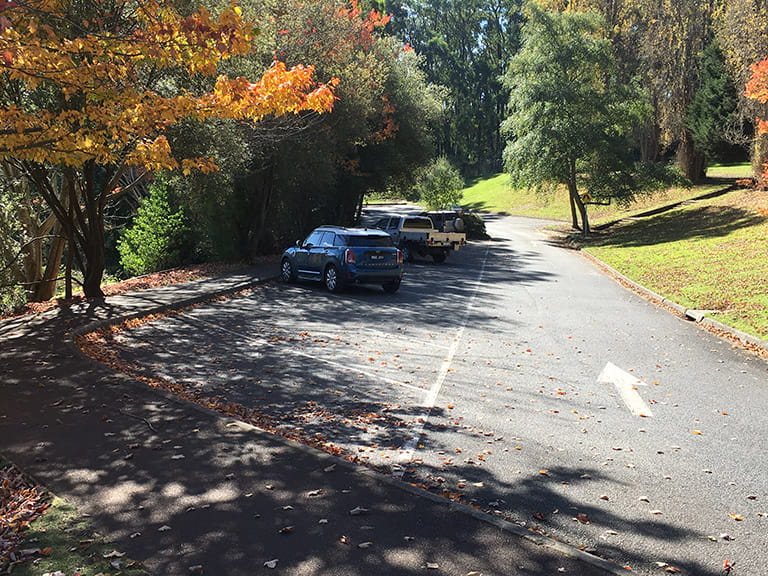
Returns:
point(88, 91)
point(98, 97)
point(467, 45)
point(570, 119)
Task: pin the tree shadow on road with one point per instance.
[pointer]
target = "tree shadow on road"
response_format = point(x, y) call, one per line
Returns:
point(181, 487)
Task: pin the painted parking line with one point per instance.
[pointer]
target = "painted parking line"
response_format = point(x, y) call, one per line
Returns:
point(626, 384)
point(408, 449)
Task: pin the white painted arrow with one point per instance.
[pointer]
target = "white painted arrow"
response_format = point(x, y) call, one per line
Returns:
point(627, 385)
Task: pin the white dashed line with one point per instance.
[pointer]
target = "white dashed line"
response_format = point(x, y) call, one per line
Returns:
point(406, 452)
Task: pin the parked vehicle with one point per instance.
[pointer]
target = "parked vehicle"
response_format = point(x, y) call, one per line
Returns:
point(459, 220)
point(447, 221)
point(418, 235)
point(339, 256)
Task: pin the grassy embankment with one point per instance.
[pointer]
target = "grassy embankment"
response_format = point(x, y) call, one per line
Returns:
point(709, 255)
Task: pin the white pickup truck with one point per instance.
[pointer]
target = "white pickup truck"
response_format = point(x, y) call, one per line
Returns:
point(417, 235)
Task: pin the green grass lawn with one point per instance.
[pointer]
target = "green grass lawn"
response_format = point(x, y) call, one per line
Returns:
point(495, 194)
point(708, 255)
point(739, 170)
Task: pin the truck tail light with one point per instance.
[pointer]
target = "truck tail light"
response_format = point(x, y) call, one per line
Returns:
point(399, 257)
point(349, 257)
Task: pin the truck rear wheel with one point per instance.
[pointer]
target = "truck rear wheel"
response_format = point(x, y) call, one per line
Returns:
point(439, 257)
point(407, 253)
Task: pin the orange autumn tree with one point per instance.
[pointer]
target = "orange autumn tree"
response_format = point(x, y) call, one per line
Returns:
point(90, 86)
point(757, 89)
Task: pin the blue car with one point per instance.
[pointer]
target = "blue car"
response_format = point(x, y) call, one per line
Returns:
point(339, 256)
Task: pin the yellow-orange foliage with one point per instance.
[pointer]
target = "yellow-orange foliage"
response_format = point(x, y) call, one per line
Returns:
point(757, 89)
point(109, 113)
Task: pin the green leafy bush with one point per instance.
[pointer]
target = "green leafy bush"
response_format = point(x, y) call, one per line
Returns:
point(440, 186)
point(474, 226)
point(157, 239)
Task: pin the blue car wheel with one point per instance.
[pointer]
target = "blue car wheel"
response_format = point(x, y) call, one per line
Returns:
point(287, 274)
point(332, 279)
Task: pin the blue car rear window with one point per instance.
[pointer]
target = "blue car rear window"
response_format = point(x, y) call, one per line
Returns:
point(372, 241)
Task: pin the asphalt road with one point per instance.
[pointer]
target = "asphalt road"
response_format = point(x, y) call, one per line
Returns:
point(518, 377)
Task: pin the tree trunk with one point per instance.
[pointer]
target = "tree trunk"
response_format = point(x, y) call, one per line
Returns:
point(649, 142)
point(691, 162)
point(92, 242)
point(759, 156)
point(46, 289)
point(574, 214)
point(576, 202)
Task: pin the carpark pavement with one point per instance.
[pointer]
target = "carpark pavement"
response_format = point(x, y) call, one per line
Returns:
point(183, 489)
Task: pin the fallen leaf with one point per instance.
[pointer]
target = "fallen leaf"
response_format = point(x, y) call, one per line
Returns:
point(544, 472)
point(696, 432)
point(583, 518)
point(365, 545)
point(285, 530)
point(113, 554)
point(433, 565)
point(164, 528)
point(656, 512)
point(196, 569)
point(359, 511)
point(271, 563)
point(737, 517)
point(672, 570)
point(539, 516)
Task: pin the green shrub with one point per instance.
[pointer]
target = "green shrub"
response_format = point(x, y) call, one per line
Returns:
point(474, 226)
point(158, 236)
point(11, 298)
point(440, 186)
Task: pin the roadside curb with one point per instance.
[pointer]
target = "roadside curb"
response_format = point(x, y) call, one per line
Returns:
point(503, 525)
point(191, 301)
point(696, 316)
